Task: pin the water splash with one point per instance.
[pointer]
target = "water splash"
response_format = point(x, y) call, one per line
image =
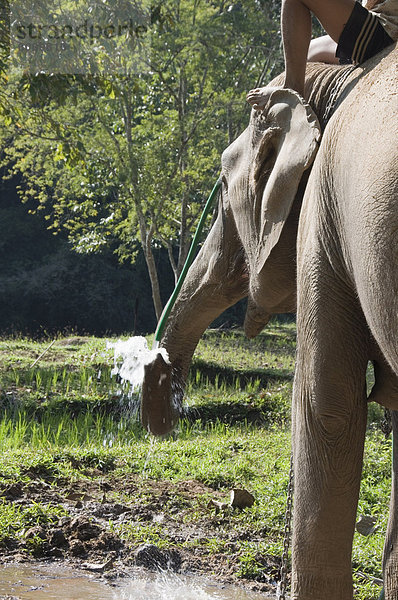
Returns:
point(151, 447)
point(169, 586)
point(131, 356)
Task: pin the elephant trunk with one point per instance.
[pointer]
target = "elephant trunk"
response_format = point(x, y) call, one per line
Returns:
point(164, 380)
point(158, 412)
point(255, 319)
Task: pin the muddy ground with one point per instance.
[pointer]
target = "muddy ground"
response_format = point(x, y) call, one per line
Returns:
point(108, 527)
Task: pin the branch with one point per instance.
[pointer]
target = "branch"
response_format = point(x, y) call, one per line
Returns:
point(109, 132)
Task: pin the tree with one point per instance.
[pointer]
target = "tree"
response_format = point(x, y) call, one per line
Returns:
point(127, 159)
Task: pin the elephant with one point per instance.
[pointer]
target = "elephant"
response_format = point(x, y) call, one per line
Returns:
point(308, 223)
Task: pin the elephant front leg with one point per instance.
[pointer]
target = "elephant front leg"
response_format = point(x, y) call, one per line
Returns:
point(329, 422)
point(390, 558)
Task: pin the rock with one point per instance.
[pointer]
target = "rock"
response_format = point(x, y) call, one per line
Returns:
point(77, 548)
point(98, 567)
point(366, 525)
point(13, 491)
point(36, 531)
point(151, 557)
point(57, 538)
point(83, 529)
point(241, 498)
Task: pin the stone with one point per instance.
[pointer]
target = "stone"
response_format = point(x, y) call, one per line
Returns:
point(57, 538)
point(77, 548)
point(98, 567)
point(36, 531)
point(151, 557)
point(366, 525)
point(241, 498)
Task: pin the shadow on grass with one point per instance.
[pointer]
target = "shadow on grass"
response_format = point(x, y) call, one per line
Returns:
point(232, 413)
point(270, 336)
point(215, 374)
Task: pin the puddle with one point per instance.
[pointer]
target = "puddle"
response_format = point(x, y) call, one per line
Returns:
point(45, 582)
point(52, 582)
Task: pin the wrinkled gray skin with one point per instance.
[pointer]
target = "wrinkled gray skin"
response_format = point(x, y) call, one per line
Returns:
point(347, 295)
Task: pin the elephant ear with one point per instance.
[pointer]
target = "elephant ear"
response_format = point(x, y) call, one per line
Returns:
point(287, 148)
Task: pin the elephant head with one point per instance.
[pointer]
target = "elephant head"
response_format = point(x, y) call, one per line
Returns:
point(262, 171)
point(250, 250)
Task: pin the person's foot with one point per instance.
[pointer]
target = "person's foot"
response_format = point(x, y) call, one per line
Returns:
point(258, 98)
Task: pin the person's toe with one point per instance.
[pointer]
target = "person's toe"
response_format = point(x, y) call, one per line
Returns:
point(253, 98)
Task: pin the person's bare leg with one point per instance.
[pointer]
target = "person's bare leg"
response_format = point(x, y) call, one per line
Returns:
point(296, 32)
point(323, 49)
point(296, 36)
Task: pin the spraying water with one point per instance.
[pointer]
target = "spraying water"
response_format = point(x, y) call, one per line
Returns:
point(169, 586)
point(131, 356)
point(136, 364)
point(166, 587)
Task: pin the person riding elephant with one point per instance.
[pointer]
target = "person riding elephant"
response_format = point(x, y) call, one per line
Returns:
point(355, 34)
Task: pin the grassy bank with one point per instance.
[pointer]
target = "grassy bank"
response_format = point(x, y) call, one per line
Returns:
point(69, 441)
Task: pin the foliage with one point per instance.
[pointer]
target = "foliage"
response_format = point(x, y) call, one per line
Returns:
point(113, 158)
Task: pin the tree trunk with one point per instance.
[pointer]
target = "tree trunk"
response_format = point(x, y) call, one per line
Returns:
point(146, 244)
point(145, 235)
point(153, 276)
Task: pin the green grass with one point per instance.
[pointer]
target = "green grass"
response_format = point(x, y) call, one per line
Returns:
point(66, 419)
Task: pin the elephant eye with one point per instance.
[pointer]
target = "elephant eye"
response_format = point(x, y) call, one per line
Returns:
point(224, 182)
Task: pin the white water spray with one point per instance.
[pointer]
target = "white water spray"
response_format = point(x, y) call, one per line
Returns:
point(166, 587)
point(131, 356)
point(169, 586)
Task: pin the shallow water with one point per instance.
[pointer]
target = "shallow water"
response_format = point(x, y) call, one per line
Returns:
point(54, 582)
point(47, 582)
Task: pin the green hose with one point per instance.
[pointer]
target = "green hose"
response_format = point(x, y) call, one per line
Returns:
point(187, 264)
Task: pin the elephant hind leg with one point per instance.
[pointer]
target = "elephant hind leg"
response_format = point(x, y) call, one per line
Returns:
point(385, 389)
point(390, 558)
